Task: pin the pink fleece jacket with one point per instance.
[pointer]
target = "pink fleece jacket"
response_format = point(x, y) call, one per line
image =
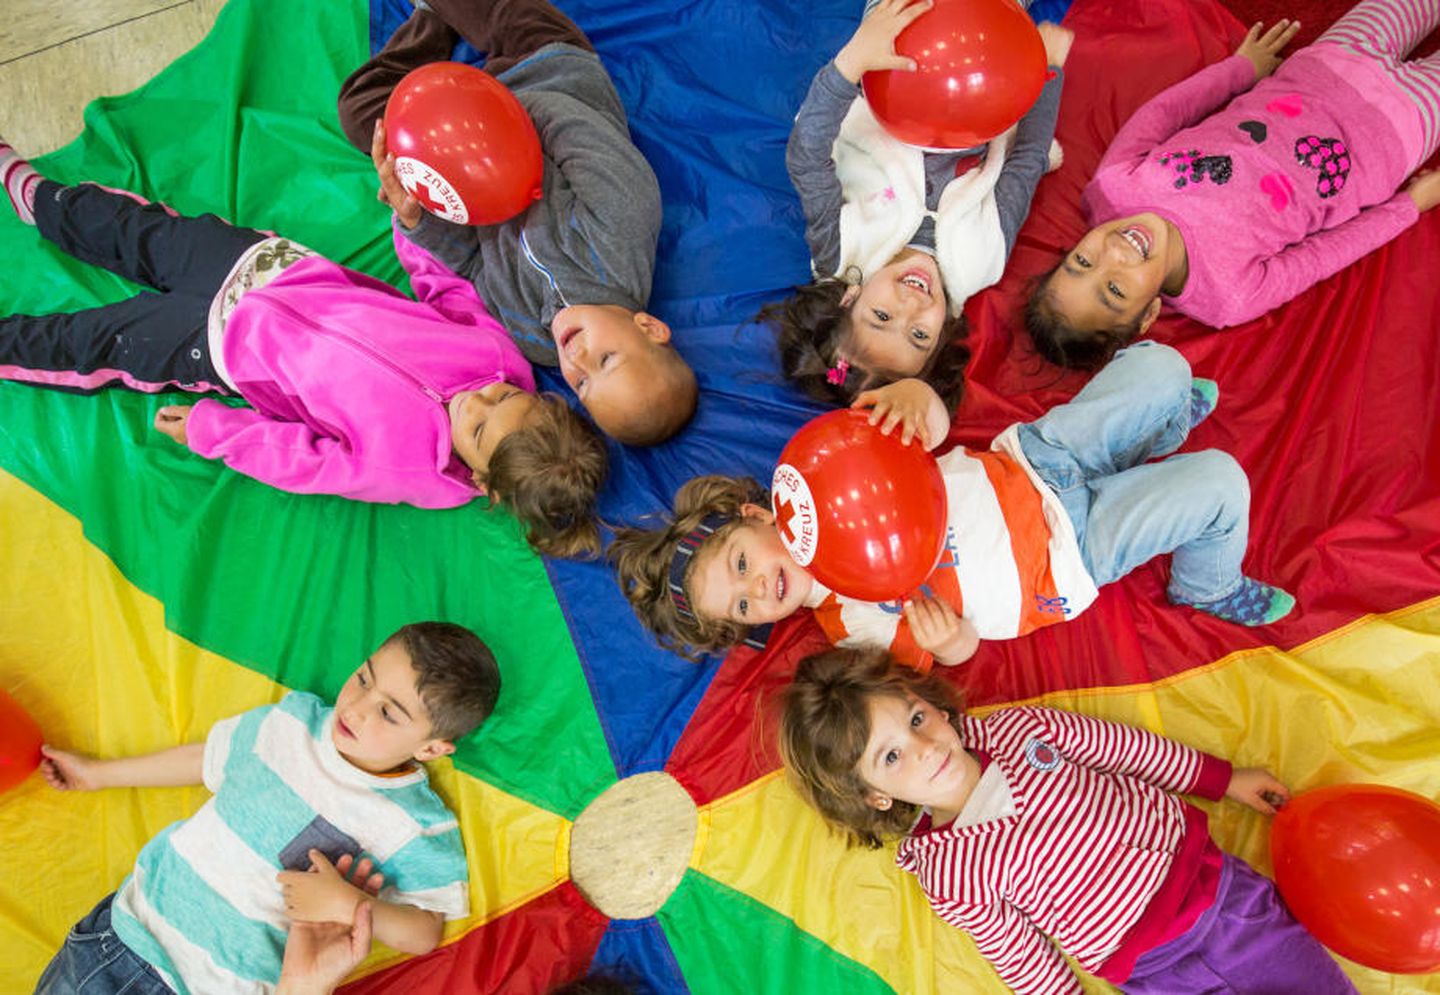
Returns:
point(1274, 190)
point(347, 380)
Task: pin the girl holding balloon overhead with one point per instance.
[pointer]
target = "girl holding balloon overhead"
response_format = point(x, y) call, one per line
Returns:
point(1057, 507)
point(900, 236)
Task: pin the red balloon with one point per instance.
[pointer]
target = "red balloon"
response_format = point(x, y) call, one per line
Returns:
point(464, 146)
point(980, 64)
point(1359, 865)
point(19, 743)
point(863, 512)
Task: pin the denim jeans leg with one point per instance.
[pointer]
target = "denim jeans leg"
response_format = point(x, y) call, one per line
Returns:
point(1136, 408)
point(1196, 505)
point(94, 961)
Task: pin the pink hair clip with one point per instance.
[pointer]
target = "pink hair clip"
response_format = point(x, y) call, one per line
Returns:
point(838, 372)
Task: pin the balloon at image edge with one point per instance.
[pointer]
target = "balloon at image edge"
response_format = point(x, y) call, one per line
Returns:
point(980, 66)
point(864, 513)
point(1359, 866)
point(20, 741)
point(464, 146)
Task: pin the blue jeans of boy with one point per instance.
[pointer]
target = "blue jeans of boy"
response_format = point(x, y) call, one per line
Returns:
point(94, 961)
point(1093, 453)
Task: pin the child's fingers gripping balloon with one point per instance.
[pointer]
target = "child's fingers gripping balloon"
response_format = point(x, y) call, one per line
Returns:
point(391, 191)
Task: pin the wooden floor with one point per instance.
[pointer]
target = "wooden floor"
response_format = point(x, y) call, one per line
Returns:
point(55, 57)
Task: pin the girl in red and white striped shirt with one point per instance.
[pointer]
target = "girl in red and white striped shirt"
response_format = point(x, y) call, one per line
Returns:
point(1042, 833)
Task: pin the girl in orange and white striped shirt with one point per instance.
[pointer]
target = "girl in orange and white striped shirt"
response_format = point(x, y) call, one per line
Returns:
point(1056, 508)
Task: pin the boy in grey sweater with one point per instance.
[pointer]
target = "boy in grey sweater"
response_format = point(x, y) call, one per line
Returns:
point(569, 277)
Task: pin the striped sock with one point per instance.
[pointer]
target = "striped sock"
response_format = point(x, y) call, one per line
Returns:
point(20, 180)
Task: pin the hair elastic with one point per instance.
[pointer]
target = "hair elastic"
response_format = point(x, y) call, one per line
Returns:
point(680, 562)
point(838, 372)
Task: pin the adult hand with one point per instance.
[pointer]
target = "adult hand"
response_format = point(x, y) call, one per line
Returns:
point(1257, 788)
point(391, 192)
point(1057, 41)
point(172, 420)
point(70, 771)
point(320, 955)
point(1263, 50)
point(1424, 189)
point(939, 630)
point(872, 46)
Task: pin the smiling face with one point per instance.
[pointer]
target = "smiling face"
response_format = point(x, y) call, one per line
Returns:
point(897, 315)
point(381, 723)
point(746, 575)
point(1115, 275)
point(915, 755)
point(479, 419)
point(621, 367)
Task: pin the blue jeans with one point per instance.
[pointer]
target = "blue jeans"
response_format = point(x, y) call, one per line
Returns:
point(1092, 452)
point(94, 961)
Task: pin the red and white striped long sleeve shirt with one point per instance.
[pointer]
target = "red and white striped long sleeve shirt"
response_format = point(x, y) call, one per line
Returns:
point(1072, 861)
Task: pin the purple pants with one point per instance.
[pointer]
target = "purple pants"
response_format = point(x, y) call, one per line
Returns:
point(1247, 943)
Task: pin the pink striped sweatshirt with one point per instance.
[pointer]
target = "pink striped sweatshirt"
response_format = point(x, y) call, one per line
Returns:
point(1071, 834)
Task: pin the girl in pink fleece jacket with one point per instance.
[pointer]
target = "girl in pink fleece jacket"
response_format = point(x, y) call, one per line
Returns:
point(1240, 187)
point(353, 388)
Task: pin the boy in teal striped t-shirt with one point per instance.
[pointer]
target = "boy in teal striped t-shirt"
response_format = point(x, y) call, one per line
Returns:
point(297, 785)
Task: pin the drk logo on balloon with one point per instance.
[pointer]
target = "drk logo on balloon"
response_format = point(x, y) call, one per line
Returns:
point(432, 190)
point(795, 516)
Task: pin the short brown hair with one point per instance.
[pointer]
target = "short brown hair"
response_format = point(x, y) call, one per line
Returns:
point(825, 726)
point(1060, 342)
point(455, 675)
point(642, 560)
point(547, 473)
point(812, 328)
point(668, 408)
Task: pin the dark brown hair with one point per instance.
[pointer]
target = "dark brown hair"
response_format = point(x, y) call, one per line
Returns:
point(812, 329)
point(825, 726)
point(547, 473)
point(1061, 343)
point(455, 675)
point(642, 560)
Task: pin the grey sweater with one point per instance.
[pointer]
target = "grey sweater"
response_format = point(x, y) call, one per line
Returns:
point(812, 169)
point(591, 238)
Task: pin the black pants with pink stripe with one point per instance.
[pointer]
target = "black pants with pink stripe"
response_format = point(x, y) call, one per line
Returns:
point(157, 339)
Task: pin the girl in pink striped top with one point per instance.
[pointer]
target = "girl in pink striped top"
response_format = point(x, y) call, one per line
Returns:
point(1044, 833)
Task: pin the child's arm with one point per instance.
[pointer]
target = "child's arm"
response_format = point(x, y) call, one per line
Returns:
point(1125, 749)
point(812, 138)
point(455, 245)
point(1302, 265)
point(294, 457)
point(322, 894)
point(1192, 100)
point(175, 767)
point(911, 404)
point(1029, 154)
point(1025, 958)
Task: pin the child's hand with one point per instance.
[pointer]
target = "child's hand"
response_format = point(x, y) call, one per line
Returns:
point(1263, 50)
point(1057, 42)
point(1258, 789)
point(321, 894)
point(913, 405)
point(872, 47)
point(172, 419)
point(937, 629)
point(391, 192)
point(70, 771)
point(1424, 189)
